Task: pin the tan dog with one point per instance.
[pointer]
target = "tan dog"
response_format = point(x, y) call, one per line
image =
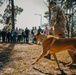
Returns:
point(54, 45)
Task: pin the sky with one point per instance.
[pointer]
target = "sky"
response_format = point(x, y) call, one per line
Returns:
point(28, 18)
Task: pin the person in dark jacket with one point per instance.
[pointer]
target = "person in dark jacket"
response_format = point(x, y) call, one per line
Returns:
point(27, 34)
point(8, 35)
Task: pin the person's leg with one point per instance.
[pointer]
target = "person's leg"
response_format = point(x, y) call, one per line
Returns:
point(19, 38)
point(8, 38)
point(11, 38)
point(14, 39)
point(2, 39)
point(32, 38)
point(26, 39)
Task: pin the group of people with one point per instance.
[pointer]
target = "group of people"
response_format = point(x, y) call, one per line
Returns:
point(20, 35)
point(35, 31)
point(14, 35)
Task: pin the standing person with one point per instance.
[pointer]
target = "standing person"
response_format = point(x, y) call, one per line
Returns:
point(23, 35)
point(27, 34)
point(51, 31)
point(58, 19)
point(19, 35)
point(13, 36)
point(9, 35)
point(59, 23)
point(39, 29)
point(16, 31)
point(3, 34)
point(35, 30)
point(32, 34)
point(46, 31)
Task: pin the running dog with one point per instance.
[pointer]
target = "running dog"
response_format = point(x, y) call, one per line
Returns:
point(54, 45)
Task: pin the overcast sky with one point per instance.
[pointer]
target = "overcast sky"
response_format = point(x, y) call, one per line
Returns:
point(28, 18)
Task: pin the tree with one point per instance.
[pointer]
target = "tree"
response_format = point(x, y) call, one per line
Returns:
point(7, 16)
point(1, 2)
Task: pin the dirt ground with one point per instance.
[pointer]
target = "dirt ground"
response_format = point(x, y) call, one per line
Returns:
point(17, 59)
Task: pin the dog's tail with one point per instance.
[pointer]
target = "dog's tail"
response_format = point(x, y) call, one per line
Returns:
point(49, 39)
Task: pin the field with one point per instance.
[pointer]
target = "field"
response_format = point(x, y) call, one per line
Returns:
point(17, 59)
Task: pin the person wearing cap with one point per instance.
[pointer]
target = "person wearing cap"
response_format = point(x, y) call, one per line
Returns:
point(58, 20)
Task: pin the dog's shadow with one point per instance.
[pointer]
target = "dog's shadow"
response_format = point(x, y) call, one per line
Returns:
point(71, 66)
point(42, 71)
point(62, 72)
point(5, 54)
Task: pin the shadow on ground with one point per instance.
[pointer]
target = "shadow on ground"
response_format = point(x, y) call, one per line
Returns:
point(62, 72)
point(5, 53)
point(71, 66)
